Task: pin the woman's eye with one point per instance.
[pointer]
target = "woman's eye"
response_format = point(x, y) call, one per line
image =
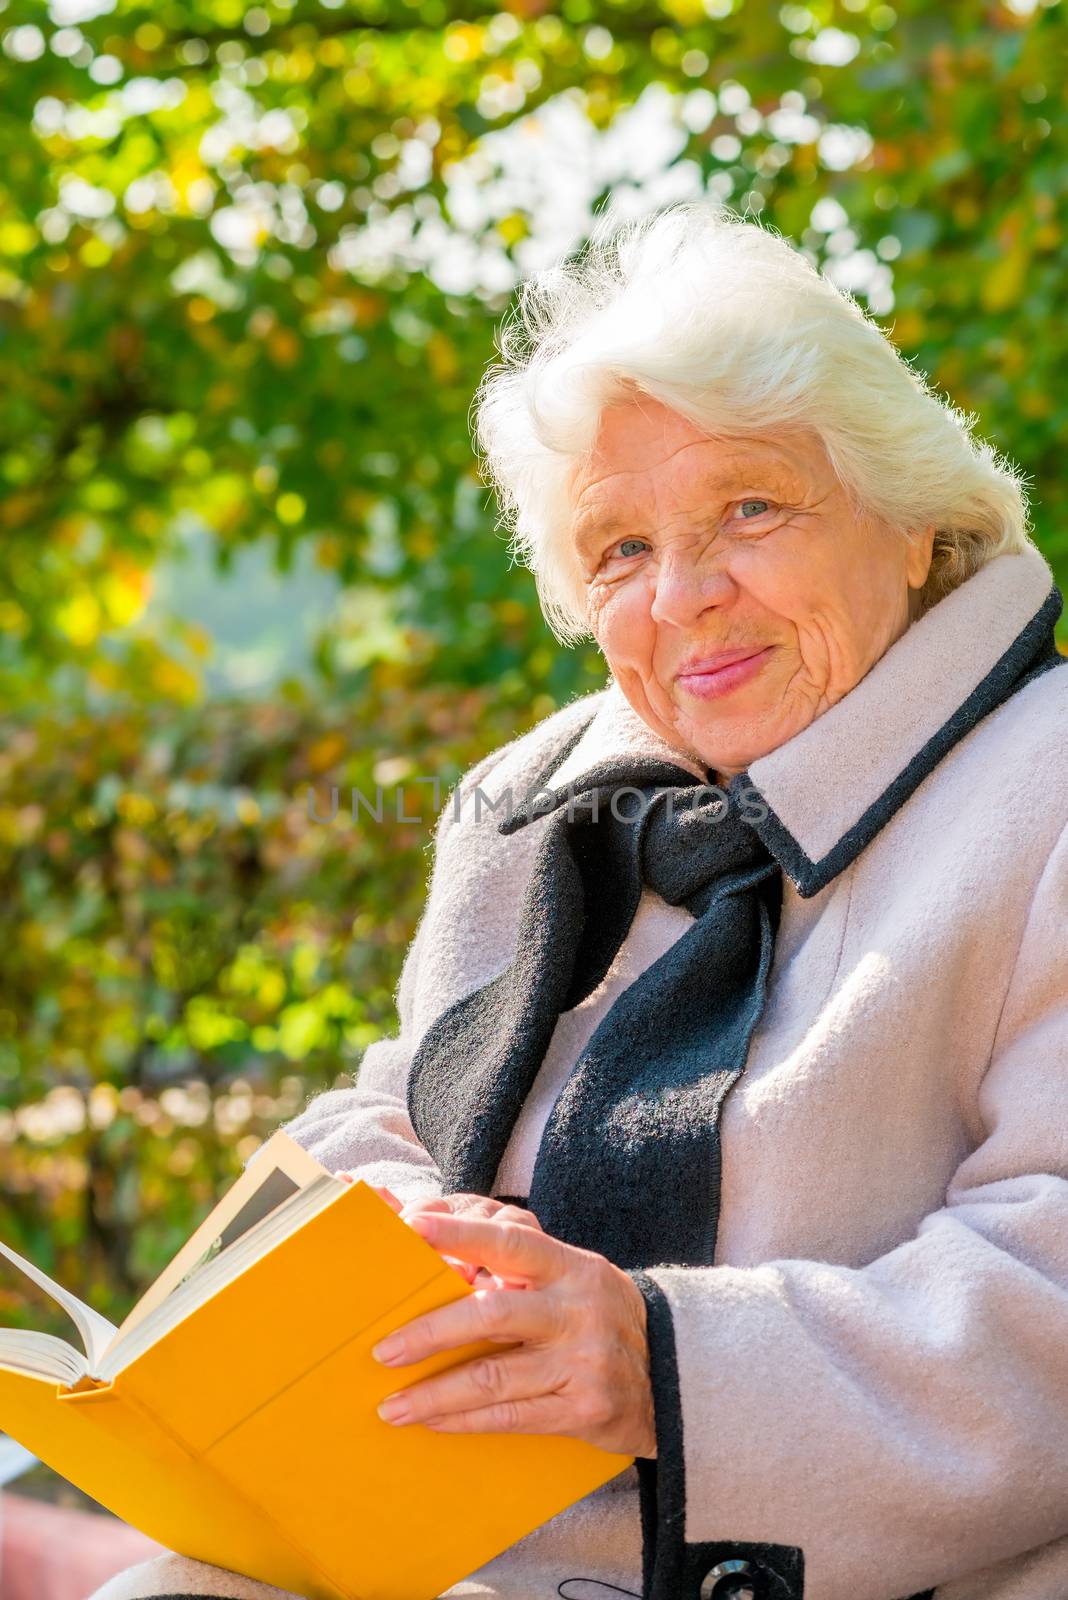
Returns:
point(635, 544)
point(761, 507)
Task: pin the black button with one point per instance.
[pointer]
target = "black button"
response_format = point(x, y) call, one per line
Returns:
point(729, 1580)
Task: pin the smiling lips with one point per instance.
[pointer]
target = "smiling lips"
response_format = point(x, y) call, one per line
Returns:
point(708, 677)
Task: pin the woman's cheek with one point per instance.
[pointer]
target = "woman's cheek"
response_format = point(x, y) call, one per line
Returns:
point(618, 613)
point(597, 609)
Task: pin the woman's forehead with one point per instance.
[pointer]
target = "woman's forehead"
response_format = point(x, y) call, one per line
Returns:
point(612, 476)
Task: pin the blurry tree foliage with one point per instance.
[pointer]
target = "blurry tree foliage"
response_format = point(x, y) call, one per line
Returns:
point(252, 259)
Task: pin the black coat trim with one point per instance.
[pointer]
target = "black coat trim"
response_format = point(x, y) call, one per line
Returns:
point(1031, 653)
point(674, 1569)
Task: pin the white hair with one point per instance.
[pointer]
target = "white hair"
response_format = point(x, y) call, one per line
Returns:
point(730, 326)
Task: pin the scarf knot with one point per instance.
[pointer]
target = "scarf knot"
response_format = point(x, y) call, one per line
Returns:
point(694, 843)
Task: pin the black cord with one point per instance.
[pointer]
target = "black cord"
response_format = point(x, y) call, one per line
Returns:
point(593, 1583)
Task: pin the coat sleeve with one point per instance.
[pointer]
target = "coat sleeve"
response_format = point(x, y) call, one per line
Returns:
point(366, 1129)
point(904, 1424)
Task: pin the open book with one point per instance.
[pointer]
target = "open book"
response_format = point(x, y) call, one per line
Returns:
point(233, 1414)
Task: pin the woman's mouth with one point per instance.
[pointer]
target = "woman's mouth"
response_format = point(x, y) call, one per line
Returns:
point(717, 675)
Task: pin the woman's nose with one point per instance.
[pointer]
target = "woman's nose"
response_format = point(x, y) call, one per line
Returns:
point(686, 586)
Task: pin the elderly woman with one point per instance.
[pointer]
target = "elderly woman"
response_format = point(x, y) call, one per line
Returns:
point(733, 1057)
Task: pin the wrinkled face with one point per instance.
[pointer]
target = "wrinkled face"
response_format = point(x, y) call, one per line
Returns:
point(732, 589)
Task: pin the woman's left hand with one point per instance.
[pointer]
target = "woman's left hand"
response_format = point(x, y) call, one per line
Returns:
point(578, 1361)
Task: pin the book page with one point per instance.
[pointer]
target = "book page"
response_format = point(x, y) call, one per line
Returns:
point(276, 1172)
point(95, 1331)
point(41, 1355)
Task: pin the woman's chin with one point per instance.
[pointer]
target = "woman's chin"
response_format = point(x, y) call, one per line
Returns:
point(731, 741)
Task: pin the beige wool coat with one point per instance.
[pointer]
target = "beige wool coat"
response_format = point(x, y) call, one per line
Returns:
point(873, 1371)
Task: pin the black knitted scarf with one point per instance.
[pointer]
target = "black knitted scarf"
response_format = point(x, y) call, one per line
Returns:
point(628, 1164)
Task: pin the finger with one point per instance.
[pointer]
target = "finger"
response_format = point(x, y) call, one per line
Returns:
point(498, 1315)
point(383, 1193)
point(482, 1278)
point(467, 1271)
point(414, 1208)
point(469, 1205)
point(507, 1248)
point(446, 1203)
point(475, 1205)
point(545, 1414)
point(472, 1386)
point(519, 1215)
point(485, 1279)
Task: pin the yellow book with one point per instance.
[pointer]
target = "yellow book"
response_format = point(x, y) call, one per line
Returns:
point(233, 1415)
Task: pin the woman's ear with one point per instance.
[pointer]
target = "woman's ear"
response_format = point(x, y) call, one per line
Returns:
point(918, 555)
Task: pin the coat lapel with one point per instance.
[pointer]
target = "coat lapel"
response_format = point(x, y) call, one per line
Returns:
point(828, 791)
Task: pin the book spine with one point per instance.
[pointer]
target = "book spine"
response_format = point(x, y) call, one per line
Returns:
point(86, 1389)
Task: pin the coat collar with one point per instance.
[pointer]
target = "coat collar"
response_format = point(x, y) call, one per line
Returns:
point(825, 793)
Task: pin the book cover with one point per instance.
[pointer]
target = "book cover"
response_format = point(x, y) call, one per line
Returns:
point(235, 1420)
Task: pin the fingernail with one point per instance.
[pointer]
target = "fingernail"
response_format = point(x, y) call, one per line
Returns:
point(388, 1350)
point(395, 1409)
point(424, 1223)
